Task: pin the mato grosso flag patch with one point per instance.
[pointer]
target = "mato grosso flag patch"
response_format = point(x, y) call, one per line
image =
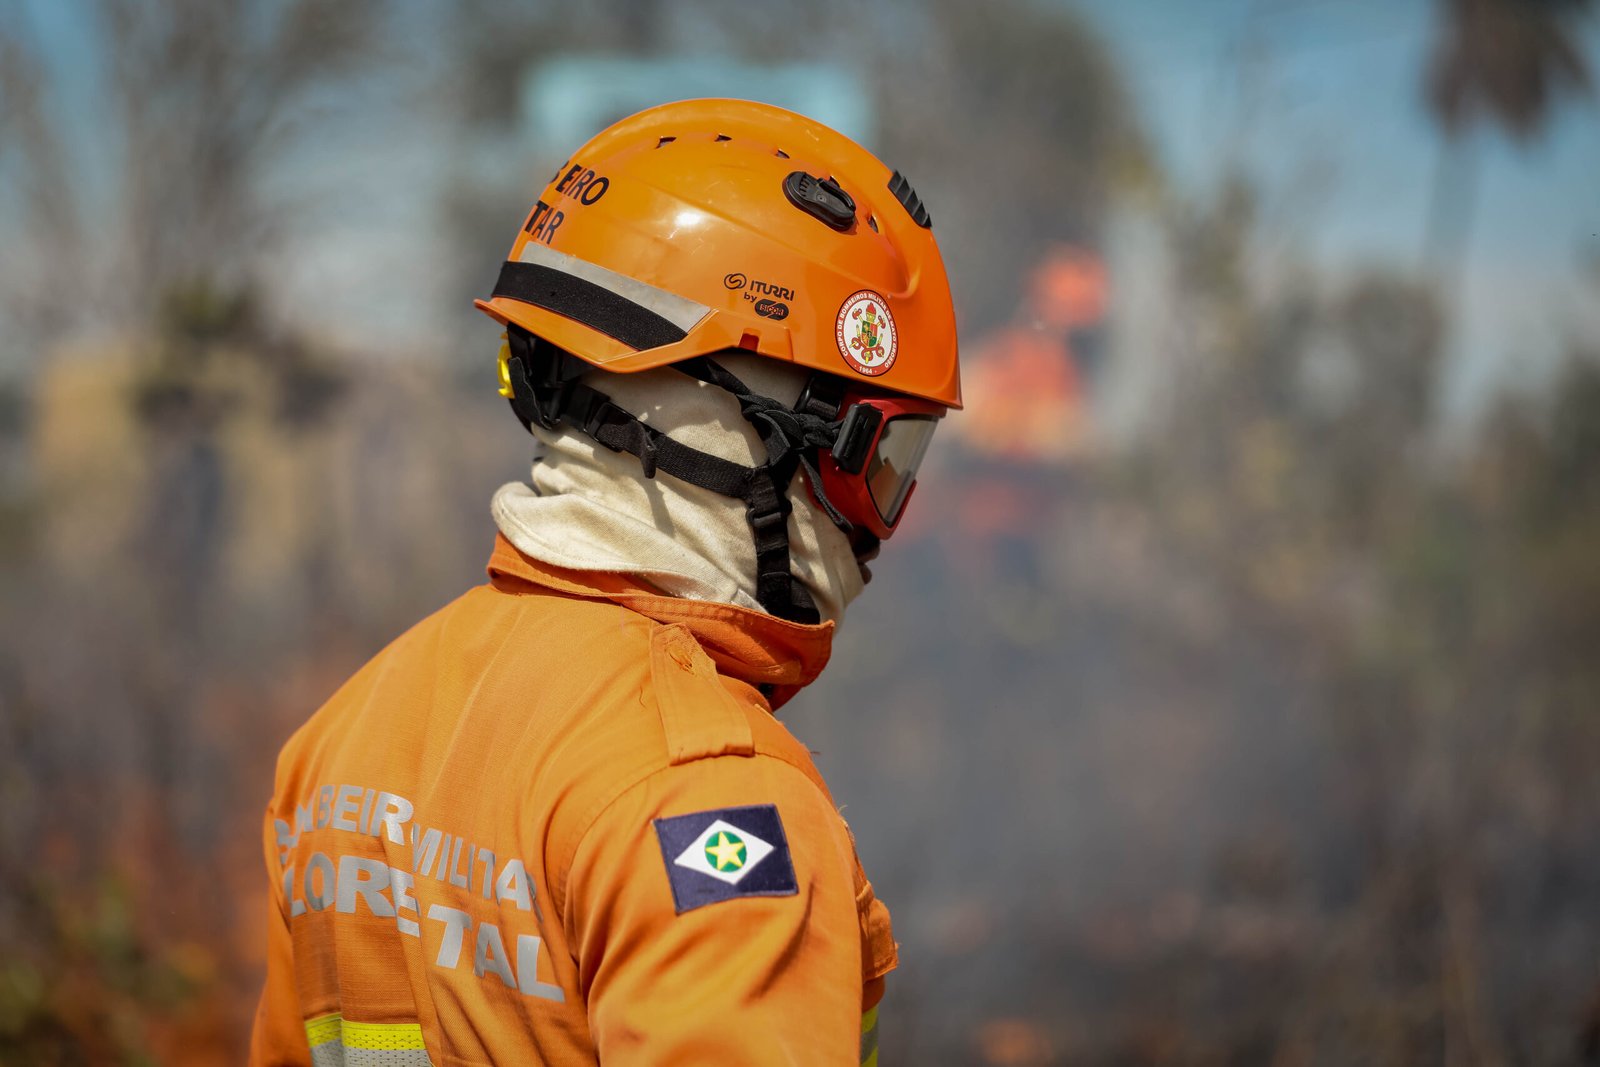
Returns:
point(725, 853)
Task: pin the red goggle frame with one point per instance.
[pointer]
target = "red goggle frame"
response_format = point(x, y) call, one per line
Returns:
point(871, 471)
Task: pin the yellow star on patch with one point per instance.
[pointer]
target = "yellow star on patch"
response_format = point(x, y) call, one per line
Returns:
point(749, 857)
point(727, 851)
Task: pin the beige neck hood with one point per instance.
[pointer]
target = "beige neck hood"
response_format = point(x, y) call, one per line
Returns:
point(588, 508)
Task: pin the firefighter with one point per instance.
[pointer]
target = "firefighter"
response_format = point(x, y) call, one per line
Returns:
point(557, 822)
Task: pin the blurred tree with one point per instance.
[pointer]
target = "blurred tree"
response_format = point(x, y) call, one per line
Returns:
point(172, 183)
point(1500, 62)
point(1016, 130)
point(1432, 620)
point(147, 233)
point(1291, 772)
point(1506, 62)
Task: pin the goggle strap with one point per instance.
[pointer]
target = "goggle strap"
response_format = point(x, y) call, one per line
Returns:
point(845, 526)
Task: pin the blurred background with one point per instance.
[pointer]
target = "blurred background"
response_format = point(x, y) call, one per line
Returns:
point(1232, 695)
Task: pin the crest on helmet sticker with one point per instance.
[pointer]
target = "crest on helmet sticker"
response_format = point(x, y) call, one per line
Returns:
point(866, 333)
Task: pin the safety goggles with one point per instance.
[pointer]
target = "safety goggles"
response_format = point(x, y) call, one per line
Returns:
point(871, 471)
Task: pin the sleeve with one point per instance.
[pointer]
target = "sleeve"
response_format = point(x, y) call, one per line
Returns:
point(712, 910)
point(278, 1038)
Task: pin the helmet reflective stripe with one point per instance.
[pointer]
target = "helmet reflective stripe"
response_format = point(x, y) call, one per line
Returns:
point(682, 312)
point(639, 315)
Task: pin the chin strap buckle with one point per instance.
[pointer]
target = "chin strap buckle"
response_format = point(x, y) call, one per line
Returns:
point(767, 506)
point(764, 521)
point(605, 422)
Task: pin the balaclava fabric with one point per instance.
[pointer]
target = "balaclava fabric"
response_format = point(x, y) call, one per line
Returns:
point(589, 508)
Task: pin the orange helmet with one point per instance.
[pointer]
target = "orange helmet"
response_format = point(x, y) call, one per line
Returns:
point(714, 225)
point(718, 224)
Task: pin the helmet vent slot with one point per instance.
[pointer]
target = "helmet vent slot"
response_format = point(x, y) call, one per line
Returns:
point(665, 141)
point(872, 220)
point(901, 189)
point(723, 137)
point(780, 153)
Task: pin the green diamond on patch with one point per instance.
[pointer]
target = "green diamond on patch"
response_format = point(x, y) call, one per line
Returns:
point(725, 851)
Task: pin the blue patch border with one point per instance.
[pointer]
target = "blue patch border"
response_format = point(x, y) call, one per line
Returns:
point(773, 877)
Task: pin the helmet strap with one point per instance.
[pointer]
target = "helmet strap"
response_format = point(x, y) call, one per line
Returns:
point(546, 391)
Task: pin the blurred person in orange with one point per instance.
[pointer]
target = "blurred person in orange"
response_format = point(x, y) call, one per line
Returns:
point(1030, 398)
point(1029, 428)
point(558, 822)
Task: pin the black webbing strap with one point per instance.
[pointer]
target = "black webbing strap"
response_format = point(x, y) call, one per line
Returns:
point(763, 489)
point(784, 430)
point(546, 390)
point(549, 394)
point(767, 511)
point(594, 413)
point(538, 400)
point(583, 301)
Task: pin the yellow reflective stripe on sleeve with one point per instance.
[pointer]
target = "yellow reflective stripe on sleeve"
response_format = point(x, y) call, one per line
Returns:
point(869, 1039)
point(322, 1029)
point(390, 1037)
point(338, 1042)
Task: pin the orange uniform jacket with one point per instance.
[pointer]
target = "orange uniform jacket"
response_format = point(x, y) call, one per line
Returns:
point(557, 823)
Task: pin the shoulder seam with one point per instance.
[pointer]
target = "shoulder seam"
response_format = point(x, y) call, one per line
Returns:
point(699, 717)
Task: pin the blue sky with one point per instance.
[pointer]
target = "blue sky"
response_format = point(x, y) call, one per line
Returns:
point(1321, 101)
point(1288, 81)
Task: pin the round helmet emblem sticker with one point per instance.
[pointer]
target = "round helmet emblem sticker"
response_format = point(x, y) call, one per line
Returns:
point(866, 333)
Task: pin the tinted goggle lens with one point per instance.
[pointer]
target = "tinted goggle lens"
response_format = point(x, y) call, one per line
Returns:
point(892, 467)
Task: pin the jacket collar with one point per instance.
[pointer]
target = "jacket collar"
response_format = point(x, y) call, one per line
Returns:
point(775, 655)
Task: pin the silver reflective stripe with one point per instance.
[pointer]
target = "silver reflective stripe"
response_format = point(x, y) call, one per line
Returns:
point(682, 312)
point(334, 1054)
point(338, 1042)
point(371, 1057)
